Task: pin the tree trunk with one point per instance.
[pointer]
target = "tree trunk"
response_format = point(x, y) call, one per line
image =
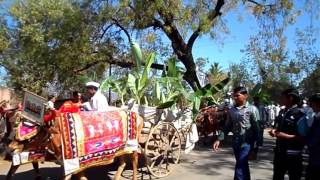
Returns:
point(191, 74)
point(184, 53)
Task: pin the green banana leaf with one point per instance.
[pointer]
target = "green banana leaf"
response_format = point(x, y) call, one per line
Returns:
point(222, 83)
point(196, 106)
point(165, 105)
point(205, 92)
point(138, 57)
point(172, 68)
point(146, 71)
point(132, 85)
point(118, 86)
point(157, 91)
point(256, 89)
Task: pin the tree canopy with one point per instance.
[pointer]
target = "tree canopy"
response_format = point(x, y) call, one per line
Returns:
point(59, 44)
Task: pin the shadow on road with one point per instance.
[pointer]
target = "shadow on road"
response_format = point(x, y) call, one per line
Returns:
point(96, 173)
point(49, 173)
point(202, 163)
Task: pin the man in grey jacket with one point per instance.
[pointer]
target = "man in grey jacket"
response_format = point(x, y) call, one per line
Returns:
point(243, 122)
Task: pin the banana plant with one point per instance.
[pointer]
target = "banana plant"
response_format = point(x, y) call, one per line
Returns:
point(137, 54)
point(169, 87)
point(258, 91)
point(204, 92)
point(119, 86)
point(168, 92)
point(138, 82)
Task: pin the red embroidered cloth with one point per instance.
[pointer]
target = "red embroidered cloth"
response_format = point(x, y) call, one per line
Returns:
point(91, 138)
point(85, 133)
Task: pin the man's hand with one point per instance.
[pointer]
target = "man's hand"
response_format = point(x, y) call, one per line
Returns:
point(216, 145)
point(282, 135)
point(272, 132)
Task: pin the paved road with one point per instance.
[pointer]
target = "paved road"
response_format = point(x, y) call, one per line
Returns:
point(200, 164)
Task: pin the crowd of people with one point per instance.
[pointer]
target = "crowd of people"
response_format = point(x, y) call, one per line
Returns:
point(293, 124)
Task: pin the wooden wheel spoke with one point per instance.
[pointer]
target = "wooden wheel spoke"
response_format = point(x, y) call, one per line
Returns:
point(155, 137)
point(175, 148)
point(156, 157)
point(153, 154)
point(152, 164)
point(159, 171)
point(163, 138)
point(161, 162)
point(172, 140)
point(155, 144)
point(162, 148)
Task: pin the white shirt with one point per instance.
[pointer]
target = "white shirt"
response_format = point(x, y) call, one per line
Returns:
point(272, 113)
point(51, 105)
point(99, 102)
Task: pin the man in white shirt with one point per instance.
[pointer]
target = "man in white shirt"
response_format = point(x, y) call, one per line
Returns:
point(98, 101)
point(51, 101)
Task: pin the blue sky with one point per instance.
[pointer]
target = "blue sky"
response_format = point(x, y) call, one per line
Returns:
point(240, 33)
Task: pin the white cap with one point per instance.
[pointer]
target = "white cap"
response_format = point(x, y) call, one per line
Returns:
point(94, 84)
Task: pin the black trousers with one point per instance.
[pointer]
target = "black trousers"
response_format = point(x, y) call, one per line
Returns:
point(313, 173)
point(284, 163)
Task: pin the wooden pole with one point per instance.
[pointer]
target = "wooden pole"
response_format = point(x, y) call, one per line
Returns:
point(109, 98)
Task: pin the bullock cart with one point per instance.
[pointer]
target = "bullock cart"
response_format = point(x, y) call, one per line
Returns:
point(162, 139)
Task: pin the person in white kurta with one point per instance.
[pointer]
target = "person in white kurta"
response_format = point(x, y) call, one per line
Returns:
point(52, 100)
point(98, 101)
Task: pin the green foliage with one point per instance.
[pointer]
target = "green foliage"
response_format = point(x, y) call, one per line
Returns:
point(61, 43)
point(119, 86)
point(270, 61)
point(259, 91)
point(207, 91)
point(136, 51)
point(201, 63)
point(166, 89)
point(137, 82)
point(240, 76)
point(311, 83)
point(50, 41)
point(4, 36)
point(169, 87)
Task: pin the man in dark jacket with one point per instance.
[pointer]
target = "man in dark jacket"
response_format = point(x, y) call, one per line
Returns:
point(289, 145)
point(313, 140)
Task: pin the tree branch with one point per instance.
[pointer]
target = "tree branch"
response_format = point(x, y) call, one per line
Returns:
point(169, 28)
point(259, 4)
point(216, 12)
point(254, 2)
point(105, 30)
point(123, 29)
point(118, 62)
point(155, 23)
point(180, 48)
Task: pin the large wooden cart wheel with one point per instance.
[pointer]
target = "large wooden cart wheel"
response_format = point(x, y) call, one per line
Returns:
point(162, 149)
